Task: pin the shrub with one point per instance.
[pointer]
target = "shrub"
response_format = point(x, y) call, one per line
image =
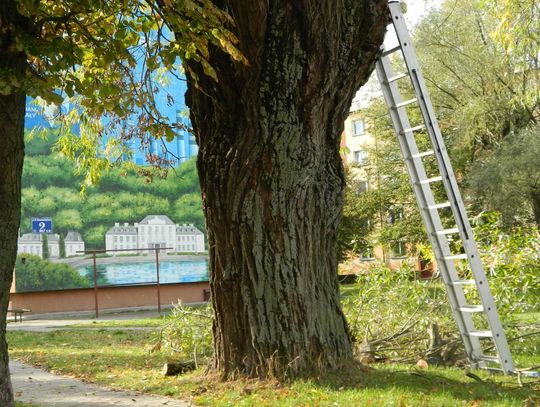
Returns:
point(402, 318)
point(35, 274)
point(187, 333)
point(512, 262)
point(395, 312)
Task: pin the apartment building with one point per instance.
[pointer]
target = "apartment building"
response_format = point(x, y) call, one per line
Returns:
point(357, 142)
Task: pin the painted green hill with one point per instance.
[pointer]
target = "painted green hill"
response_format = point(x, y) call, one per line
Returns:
point(51, 189)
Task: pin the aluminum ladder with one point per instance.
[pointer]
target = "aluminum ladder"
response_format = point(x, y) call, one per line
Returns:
point(423, 187)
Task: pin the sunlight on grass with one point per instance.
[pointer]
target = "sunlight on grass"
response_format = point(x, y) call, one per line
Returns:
point(122, 360)
point(137, 323)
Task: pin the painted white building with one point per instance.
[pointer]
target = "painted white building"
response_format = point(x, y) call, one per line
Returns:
point(32, 243)
point(155, 231)
point(122, 237)
point(74, 243)
point(189, 239)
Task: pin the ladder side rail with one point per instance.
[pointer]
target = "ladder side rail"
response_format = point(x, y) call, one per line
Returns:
point(477, 268)
point(432, 126)
point(425, 198)
point(457, 205)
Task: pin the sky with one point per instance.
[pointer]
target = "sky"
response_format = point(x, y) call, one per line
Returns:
point(416, 10)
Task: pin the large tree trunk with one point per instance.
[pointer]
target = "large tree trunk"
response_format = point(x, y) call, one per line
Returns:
point(12, 110)
point(272, 178)
point(535, 198)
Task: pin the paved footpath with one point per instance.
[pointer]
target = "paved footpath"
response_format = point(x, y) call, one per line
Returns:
point(32, 385)
point(45, 389)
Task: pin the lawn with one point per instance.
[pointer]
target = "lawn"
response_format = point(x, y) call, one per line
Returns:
point(128, 323)
point(123, 360)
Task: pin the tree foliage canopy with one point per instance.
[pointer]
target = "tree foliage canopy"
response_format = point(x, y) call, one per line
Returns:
point(482, 92)
point(484, 82)
point(509, 179)
point(101, 63)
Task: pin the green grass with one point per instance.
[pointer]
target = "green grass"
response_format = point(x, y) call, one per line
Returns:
point(348, 290)
point(529, 317)
point(128, 323)
point(122, 360)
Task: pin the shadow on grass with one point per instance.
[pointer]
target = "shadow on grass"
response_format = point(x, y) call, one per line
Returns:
point(88, 355)
point(432, 381)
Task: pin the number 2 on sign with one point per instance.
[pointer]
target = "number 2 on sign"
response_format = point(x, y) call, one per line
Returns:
point(41, 227)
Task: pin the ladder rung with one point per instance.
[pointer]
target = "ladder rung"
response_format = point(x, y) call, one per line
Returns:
point(463, 282)
point(424, 154)
point(440, 205)
point(471, 308)
point(391, 51)
point(430, 180)
point(415, 128)
point(424, 184)
point(481, 334)
point(529, 373)
point(397, 77)
point(447, 231)
point(487, 358)
point(456, 257)
point(405, 103)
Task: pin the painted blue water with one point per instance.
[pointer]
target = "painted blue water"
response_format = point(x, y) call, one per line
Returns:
point(171, 271)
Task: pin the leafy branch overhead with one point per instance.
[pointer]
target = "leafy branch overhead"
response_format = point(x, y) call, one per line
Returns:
point(101, 63)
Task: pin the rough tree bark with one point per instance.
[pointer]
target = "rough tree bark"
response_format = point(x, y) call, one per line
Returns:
point(272, 178)
point(12, 110)
point(535, 198)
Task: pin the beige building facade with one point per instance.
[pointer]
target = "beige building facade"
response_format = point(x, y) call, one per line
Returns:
point(356, 144)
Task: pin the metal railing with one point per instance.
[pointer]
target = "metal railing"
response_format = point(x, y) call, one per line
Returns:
point(95, 276)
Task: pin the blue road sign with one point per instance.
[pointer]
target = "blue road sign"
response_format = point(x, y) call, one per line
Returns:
point(41, 225)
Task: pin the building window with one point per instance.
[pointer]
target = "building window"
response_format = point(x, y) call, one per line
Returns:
point(362, 186)
point(397, 248)
point(358, 127)
point(360, 157)
point(115, 239)
point(395, 215)
point(367, 253)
